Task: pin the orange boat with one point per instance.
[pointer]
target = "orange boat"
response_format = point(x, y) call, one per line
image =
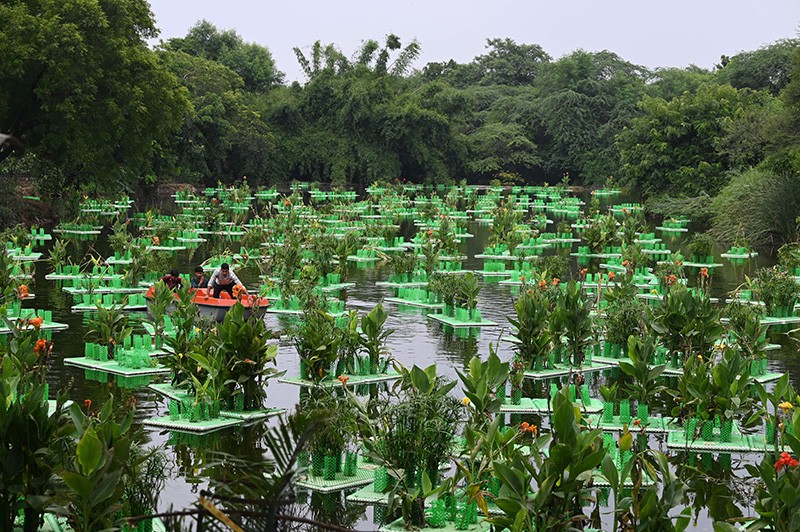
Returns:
point(215, 308)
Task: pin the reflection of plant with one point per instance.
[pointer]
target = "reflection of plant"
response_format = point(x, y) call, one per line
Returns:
point(146, 479)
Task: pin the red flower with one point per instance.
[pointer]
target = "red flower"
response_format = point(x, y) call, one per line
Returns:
point(637, 423)
point(703, 272)
point(22, 291)
point(584, 272)
point(611, 276)
point(287, 203)
point(343, 379)
point(41, 345)
point(36, 322)
point(784, 461)
point(624, 262)
point(87, 403)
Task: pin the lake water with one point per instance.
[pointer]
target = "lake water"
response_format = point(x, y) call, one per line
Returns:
point(417, 340)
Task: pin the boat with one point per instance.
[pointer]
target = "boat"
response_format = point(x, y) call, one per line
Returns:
point(215, 308)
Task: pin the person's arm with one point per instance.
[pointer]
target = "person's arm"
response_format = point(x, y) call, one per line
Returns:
point(236, 281)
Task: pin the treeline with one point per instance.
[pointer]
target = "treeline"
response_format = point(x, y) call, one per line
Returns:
point(96, 107)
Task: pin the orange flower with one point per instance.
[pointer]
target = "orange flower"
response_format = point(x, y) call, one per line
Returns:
point(156, 241)
point(41, 345)
point(522, 278)
point(287, 203)
point(36, 322)
point(637, 423)
point(87, 403)
point(527, 428)
point(542, 284)
point(584, 272)
point(430, 232)
point(784, 461)
point(703, 272)
point(556, 280)
point(624, 262)
point(22, 291)
point(611, 276)
point(343, 379)
point(237, 290)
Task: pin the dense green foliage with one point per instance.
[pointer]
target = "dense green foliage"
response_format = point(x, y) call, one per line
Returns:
point(95, 105)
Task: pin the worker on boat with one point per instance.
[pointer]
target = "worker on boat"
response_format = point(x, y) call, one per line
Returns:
point(223, 279)
point(173, 280)
point(199, 278)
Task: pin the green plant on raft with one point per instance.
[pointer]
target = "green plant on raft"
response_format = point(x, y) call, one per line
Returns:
point(776, 289)
point(95, 473)
point(468, 290)
point(243, 344)
point(547, 491)
point(656, 491)
point(185, 336)
point(484, 386)
point(163, 297)
point(119, 239)
point(374, 335)
point(317, 344)
point(601, 234)
point(644, 375)
point(624, 316)
point(746, 330)
point(59, 254)
point(687, 323)
point(700, 246)
point(109, 327)
point(33, 441)
point(412, 437)
point(532, 322)
point(573, 321)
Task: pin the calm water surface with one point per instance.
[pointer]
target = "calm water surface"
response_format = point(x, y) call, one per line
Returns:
point(417, 340)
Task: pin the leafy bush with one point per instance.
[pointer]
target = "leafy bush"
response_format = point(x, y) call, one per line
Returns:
point(775, 288)
point(763, 205)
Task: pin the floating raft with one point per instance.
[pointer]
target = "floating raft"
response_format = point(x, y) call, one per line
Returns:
point(452, 321)
point(397, 526)
point(561, 370)
point(193, 427)
point(414, 303)
point(540, 406)
point(112, 366)
point(353, 380)
point(364, 475)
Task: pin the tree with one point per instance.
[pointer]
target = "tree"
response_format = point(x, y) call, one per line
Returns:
point(509, 63)
point(253, 62)
point(673, 146)
point(586, 98)
point(766, 68)
point(669, 83)
point(82, 90)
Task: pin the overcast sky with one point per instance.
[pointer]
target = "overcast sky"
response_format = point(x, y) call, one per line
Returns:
point(651, 33)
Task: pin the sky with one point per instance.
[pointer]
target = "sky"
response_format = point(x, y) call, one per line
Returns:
point(651, 33)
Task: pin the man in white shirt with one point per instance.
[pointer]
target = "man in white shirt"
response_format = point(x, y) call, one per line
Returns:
point(224, 279)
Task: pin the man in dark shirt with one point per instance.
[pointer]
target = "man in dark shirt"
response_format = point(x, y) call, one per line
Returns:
point(199, 278)
point(173, 280)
